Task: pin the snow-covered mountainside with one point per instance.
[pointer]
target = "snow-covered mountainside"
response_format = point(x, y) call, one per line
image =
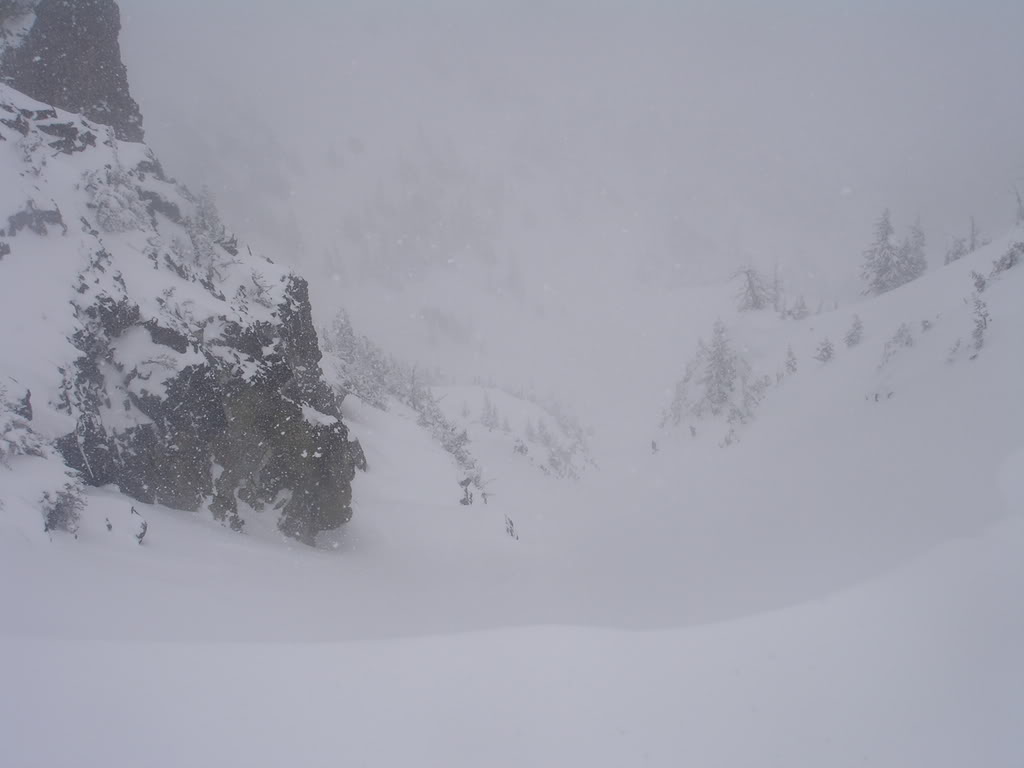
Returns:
point(823, 487)
point(564, 623)
point(499, 423)
point(913, 339)
point(806, 552)
point(154, 351)
point(476, 648)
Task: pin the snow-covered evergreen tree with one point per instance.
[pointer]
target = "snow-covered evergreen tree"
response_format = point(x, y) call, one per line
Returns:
point(957, 250)
point(720, 371)
point(799, 310)
point(754, 294)
point(453, 439)
point(902, 339)
point(887, 266)
point(206, 232)
point(1009, 260)
point(716, 383)
point(356, 364)
point(980, 283)
point(207, 217)
point(855, 335)
point(791, 364)
point(916, 262)
point(881, 268)
point(489, 414)
point(825, 351)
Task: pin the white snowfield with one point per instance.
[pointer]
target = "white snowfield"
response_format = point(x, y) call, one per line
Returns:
point(922, 668)
point(841, 587)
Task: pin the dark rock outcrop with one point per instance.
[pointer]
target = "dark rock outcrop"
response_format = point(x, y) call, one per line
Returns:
point(71, 59)
point(191, 374)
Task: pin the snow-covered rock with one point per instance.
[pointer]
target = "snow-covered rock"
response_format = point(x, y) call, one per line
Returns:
point(157, 353)
point(67, 54)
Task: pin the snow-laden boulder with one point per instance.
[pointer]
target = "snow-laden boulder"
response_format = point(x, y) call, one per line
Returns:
point(161, 356)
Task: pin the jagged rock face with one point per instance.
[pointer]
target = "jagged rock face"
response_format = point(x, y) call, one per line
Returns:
point(178, 366)
point(71, 59)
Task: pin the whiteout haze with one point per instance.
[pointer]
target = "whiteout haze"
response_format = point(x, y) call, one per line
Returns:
point(484, 384)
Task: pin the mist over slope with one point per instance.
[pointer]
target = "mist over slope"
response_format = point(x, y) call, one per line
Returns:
point(547, 175)
point(426, 618)
point(527, 472)
point(824, 486)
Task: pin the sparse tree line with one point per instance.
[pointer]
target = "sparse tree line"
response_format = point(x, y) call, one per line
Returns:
point(565, 454)
point(719, 384)
point(887, 264)
point(759, 292)
point(1013, 257)
point(358, 366)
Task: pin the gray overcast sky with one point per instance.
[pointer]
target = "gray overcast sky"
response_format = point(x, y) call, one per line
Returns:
point(657, 133)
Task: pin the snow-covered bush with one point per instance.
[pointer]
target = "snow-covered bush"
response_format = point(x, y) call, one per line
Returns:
point(17, 437)
point(980, 283)
point(903, 338)
point(825, 351)
point(791, 364)
point(1009, 260)
point(62, 508)
point(855, 335)
point(117, 203)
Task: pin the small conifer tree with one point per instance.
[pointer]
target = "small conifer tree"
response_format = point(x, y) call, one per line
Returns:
point(855, 335)
point(825, 351)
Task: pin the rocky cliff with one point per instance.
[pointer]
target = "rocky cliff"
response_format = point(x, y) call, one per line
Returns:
point(67, 54)
point(141, 343)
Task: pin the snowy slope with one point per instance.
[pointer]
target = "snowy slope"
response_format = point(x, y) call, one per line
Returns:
point(500, 423)
point(838, 585)
point(919, 669)
point(430, 636)
point(825, 488)
point(826, 485)
point(834, 581)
